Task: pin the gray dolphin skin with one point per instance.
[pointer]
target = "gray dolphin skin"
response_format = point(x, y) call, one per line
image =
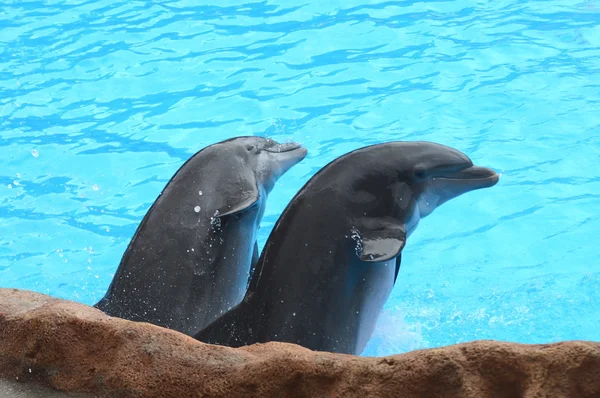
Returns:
point(333, 256)
point(190, 257)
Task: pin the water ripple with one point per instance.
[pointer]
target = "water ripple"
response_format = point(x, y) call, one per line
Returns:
point(101, 101)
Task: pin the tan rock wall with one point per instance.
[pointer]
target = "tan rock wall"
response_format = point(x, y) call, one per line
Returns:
point(76, 348)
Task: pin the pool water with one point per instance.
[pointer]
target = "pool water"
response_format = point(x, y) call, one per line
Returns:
point(102, 101)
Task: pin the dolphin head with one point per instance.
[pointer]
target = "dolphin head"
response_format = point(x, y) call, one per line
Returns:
point(435, 174)
point(439, 173)
point(409, 180)
point(268, 158)
point(273, 159)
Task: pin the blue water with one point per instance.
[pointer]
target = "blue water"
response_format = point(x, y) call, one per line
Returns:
point(102, 101)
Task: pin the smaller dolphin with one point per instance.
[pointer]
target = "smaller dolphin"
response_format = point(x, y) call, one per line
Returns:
point(333, 256)
point(189, 259)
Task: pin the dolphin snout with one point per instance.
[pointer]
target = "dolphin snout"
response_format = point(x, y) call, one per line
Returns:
point(451, 185)
point(285, 147)
point(287, 155)
point(481, 175)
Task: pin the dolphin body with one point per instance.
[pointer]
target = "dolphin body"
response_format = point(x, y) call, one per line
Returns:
point(333, 256)
point(190, 257)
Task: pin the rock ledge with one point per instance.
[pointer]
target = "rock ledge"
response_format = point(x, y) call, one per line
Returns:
point(75, 348)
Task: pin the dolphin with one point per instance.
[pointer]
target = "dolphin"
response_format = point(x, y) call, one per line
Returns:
point(191, 255)
point(334, 255)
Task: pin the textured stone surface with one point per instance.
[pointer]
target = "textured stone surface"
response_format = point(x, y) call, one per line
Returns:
point(76, 348)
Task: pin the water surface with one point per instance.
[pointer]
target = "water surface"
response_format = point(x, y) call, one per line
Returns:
point(102, 101)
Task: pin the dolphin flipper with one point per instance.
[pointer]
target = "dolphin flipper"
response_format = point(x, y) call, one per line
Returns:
point(246, 201)
point(398, 261)
point(381, 240)
point(253, 262)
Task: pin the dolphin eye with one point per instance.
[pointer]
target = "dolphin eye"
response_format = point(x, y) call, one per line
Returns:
point(250, 147)
point(420, 173)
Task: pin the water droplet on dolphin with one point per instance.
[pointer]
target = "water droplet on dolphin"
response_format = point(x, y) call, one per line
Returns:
point(197, 209)
point(200, 193)
point(215, 221)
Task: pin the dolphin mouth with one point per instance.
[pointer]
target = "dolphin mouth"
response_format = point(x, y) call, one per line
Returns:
point(282, 148)
point(474, 176)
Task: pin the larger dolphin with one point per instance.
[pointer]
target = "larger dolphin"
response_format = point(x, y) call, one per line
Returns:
point(332, 259)
point(189, 259)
